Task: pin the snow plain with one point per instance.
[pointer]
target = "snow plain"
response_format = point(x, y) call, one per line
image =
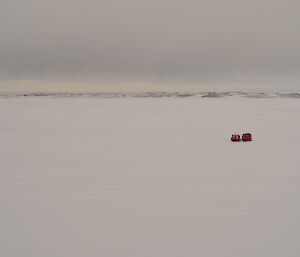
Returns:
point(149, 177)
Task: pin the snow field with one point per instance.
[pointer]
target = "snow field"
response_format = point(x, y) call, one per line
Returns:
point(149, 177)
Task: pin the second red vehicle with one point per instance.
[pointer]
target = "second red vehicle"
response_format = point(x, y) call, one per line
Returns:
point(247, 137)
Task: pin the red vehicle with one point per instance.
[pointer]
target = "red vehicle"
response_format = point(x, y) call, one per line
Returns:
point(235, 138)
point(247, 137)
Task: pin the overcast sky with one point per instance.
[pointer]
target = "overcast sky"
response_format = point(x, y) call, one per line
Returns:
point(136, 45)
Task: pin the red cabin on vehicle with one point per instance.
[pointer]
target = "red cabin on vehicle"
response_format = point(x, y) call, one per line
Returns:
point(247, 137)
point(235, 138)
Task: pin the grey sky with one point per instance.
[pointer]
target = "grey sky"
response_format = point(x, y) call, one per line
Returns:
point(161, 42)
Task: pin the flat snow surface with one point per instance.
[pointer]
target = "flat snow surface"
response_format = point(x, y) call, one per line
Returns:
point(149, 177)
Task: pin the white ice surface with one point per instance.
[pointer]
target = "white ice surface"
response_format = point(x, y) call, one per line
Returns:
point(149, 177)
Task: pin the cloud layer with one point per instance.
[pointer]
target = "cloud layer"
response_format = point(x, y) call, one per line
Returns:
point(151, 41)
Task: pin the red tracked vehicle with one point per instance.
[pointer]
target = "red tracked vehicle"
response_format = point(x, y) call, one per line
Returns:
point(235, 138)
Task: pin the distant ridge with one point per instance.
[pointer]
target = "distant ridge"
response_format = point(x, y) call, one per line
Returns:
point(154, 95)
